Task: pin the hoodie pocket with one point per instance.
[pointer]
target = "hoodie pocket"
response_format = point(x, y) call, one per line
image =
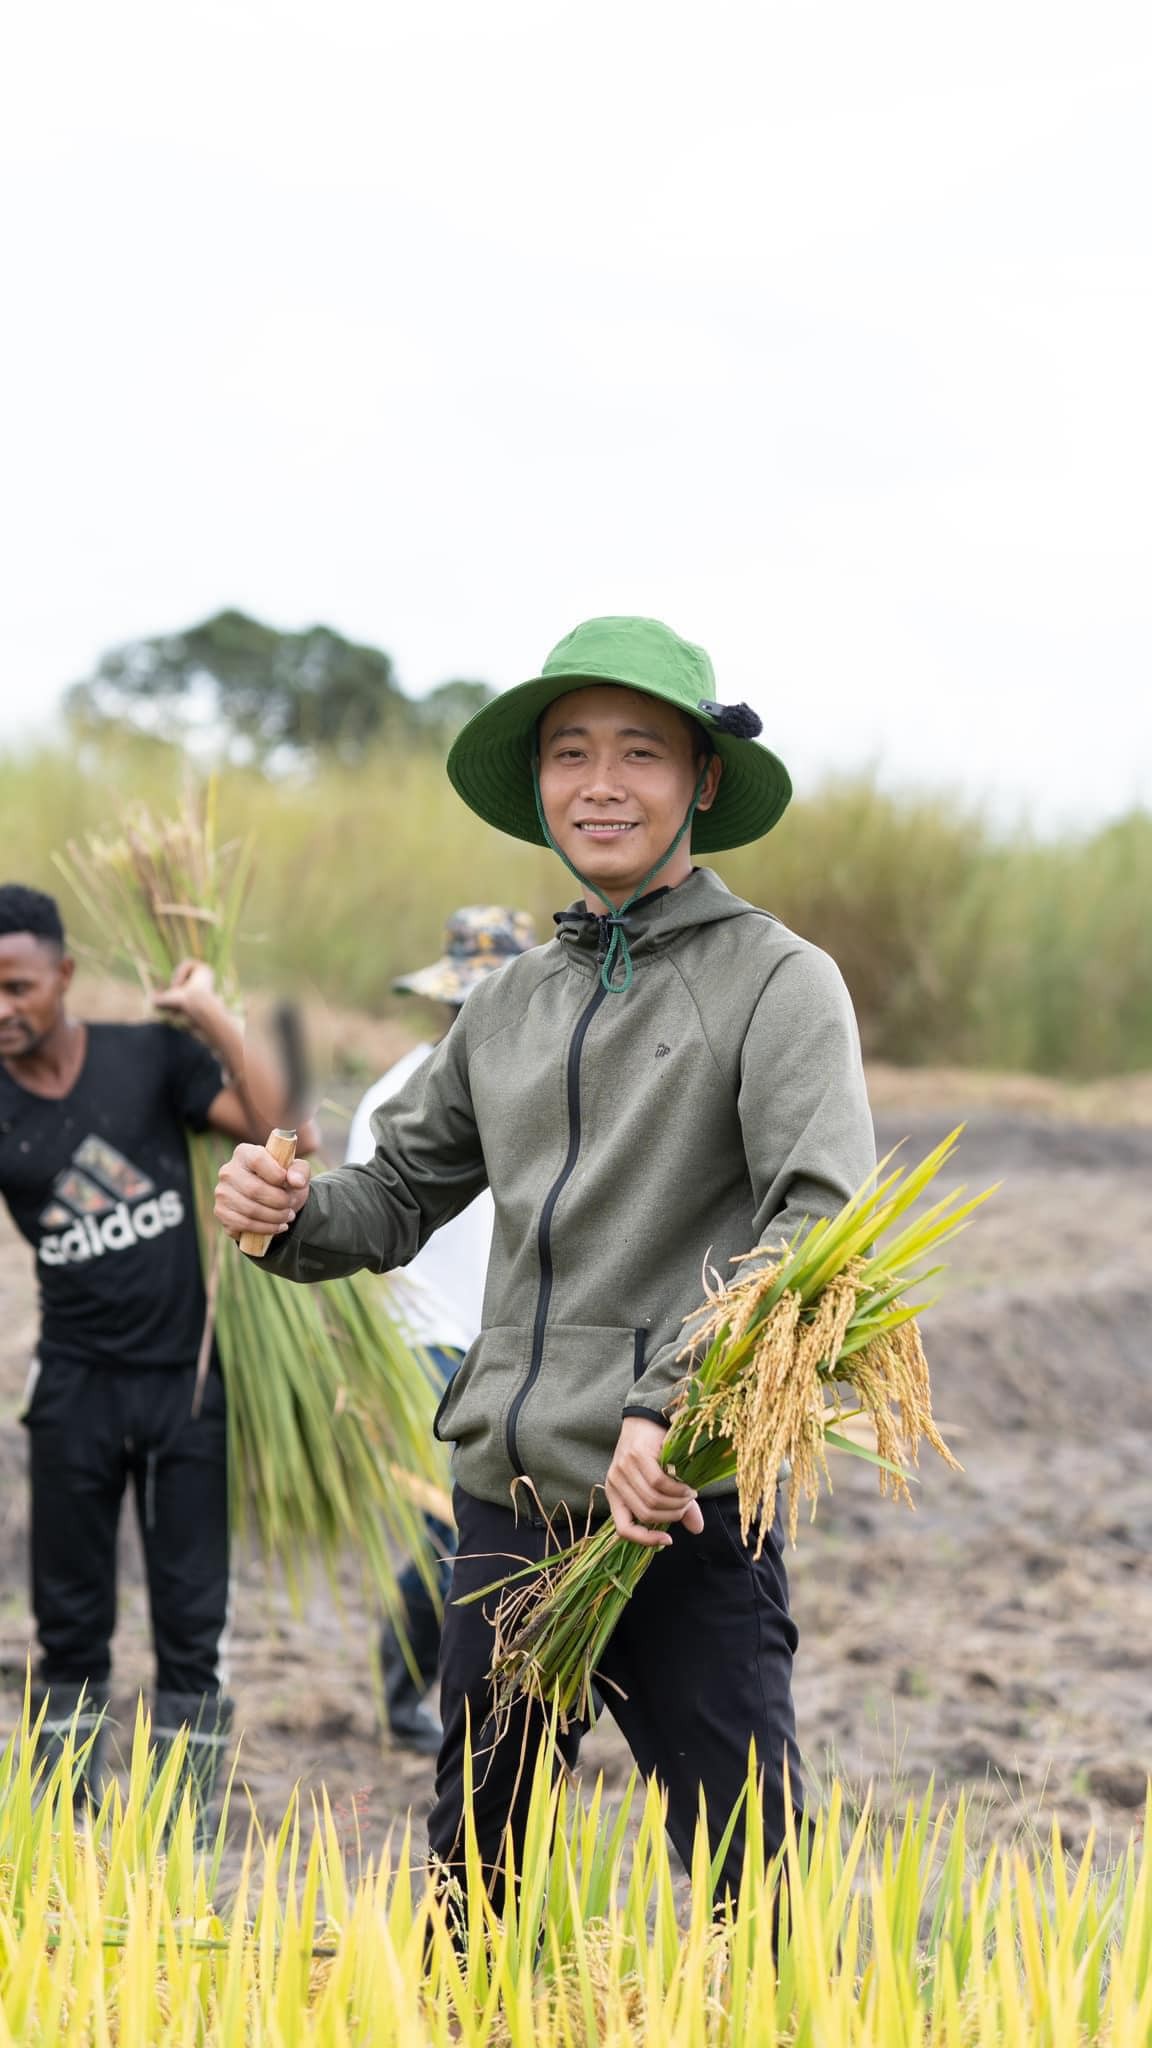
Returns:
point(566, 1430)
point(475, 1400)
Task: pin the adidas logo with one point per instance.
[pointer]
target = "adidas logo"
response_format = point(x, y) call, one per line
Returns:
point(102, 1203)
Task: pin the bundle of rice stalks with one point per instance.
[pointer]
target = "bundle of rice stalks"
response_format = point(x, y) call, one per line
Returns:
point(330, 1411)
point(777, 1362)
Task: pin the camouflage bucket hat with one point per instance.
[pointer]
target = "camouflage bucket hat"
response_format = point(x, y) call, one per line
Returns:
point(490, 764)
point(478, 940)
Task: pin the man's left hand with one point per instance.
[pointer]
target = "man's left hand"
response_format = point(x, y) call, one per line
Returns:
point(191, 995)
point(641, 1492)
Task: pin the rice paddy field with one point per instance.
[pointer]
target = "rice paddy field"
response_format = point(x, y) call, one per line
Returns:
point(974, 1682)
point(987, 1659)
point(115, 1931)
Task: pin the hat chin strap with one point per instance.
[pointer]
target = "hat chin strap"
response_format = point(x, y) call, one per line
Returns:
point(618, 948)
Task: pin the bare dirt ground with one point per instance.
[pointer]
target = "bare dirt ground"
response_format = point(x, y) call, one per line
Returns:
point(1000, 1638)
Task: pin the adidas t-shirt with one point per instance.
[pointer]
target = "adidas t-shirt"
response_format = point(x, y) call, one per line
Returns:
point(99, 1184)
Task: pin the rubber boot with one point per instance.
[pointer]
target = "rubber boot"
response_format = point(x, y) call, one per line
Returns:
point(411, 1723)
point(76, 1710)
point(208, 1719)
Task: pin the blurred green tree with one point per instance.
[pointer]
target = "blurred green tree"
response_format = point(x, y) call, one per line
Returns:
point(235, 686)
point(445, 709)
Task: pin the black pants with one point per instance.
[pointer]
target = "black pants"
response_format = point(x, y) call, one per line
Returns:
point(91, 1430)
point(703, 1661)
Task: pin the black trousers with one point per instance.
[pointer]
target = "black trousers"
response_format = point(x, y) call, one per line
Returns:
point(699, 1666)
point(91, 1430)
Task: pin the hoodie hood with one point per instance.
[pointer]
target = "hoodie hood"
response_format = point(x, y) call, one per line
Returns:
point(654, 923)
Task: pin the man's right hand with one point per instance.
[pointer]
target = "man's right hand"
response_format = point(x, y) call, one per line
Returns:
point(254, 1193)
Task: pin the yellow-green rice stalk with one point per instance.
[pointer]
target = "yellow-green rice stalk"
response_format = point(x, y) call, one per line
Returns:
point(776, 1362)
point(330, 1411)
point(907, 1935)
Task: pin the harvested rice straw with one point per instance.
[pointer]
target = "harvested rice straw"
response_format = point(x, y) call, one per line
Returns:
point(774, 1358)
point(329, 1410)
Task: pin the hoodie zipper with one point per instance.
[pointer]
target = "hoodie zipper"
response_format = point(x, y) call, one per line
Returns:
point(544, 1227)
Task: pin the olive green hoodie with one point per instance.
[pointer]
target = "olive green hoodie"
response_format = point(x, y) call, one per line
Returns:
point(630, 1142)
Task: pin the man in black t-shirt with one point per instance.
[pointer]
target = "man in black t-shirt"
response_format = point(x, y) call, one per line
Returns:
point(94, 1169)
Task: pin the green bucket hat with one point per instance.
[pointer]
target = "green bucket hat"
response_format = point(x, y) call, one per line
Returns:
point(491, 761)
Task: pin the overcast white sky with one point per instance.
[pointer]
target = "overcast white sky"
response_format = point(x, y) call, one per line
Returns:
point(823, 331)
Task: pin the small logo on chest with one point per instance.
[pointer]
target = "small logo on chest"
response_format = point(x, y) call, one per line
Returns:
point(662, 1050)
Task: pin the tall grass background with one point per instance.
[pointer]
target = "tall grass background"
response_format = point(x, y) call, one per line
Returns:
point(962, 943)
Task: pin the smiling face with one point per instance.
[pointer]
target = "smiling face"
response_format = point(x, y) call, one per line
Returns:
point(34, 975)
point(617, 774)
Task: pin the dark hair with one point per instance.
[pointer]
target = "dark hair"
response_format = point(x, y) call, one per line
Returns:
point(30, 910)
point(703, 745)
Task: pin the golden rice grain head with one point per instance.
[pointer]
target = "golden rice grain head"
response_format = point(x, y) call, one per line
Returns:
point(824, 1331)
point(909, 1369)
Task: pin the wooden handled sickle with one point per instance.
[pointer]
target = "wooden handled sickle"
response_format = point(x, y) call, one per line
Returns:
point(289, 1033)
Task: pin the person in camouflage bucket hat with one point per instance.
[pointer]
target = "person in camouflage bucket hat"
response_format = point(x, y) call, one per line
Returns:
point(438, 1298)
point(478, 940)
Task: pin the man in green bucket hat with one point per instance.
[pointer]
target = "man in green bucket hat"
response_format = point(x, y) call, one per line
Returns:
point(674, 1080)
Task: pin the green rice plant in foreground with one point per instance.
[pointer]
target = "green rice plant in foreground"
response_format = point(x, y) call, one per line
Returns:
point(331, 1450)
point(115, 1930)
